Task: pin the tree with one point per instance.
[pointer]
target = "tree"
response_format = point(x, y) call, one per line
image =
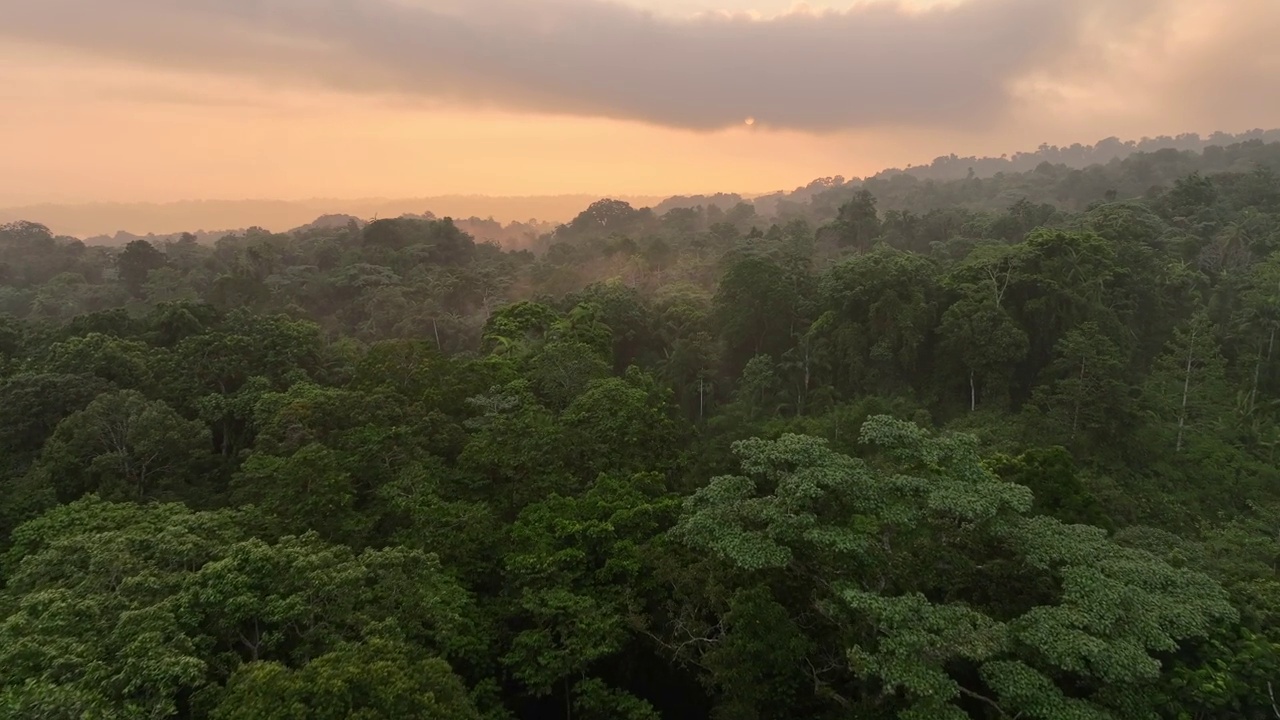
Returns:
point(124, 446)
point(622, 425)
point(32, 405)
point(577, 571)
point(75, 574)
point(757, 307)
point(984, 339)
point(857, 225)
point(136, 262)
point(514, 327)
point(1187, 387)
point(757, 387)
point(629, 318)
point(515, 454)
point(130, 609)
point(373, 680)
point(243, 346)
point(12, 337)
point(1051, 475)
point(306, 490)
point(605, 217)
point(1060, 280)
point(562, 370)
point(124, 363)
point(299, 598)
point(1259, 316)
point(424, 510)
point(888, 563)
point(1083, 393)
point(882, 310)
point(219, 374)
point(169, 323)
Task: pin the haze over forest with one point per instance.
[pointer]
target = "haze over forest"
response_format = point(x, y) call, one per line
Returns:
point(582, 360)
point(157, 102)
point(970, 449)
point(517, 217)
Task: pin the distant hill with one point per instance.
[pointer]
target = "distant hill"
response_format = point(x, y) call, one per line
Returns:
point(1077, 157)
point(723, 200)
point(513, 220)
point(212, 216)
point(953, 167)
point(509, 235)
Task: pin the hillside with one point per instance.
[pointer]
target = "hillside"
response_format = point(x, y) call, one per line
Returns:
point(119, 222)
point(221, 216)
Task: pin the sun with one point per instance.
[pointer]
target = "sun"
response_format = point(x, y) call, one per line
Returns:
point(750, 121)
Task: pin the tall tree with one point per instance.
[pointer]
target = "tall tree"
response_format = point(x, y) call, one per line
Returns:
point(1187, 388)
point(986, 342)
point(138, 259)
point(1083, 395)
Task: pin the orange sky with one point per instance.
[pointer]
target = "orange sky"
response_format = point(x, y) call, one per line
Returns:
point(85, 121)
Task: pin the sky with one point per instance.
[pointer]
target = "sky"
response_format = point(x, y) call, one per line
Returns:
point(162, 100)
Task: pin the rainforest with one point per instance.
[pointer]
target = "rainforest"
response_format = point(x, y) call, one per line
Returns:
point(985, 445)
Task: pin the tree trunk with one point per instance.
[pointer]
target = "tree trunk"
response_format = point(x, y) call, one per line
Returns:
point(1075, 412)
point(1257, 370)
point(436, 331)
point(973, 393)
point(1186, 392)
point(804, 395)
point(1253, 392)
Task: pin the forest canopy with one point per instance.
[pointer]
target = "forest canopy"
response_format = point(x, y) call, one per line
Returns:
point(915, 446)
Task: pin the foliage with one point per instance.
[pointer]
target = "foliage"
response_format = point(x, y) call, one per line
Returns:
point(931, 444)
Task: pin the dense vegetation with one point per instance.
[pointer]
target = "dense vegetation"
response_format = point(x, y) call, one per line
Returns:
point(980, 448)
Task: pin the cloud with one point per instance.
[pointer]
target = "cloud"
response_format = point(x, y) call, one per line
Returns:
point(1195, 65)
point(1228, 60)
point(872, 65)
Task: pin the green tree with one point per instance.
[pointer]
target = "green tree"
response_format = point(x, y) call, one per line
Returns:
point(1083, 393)
point(515, 453)
point(32, 405)
point(984, 339)
point(757, 308)
point(1051, 474)
point(372, 680)
point(888, 562)
point(1187, 387)
point(857, 224)
point(118, 361)
point(136, 262)
point(127, 609)
point(1259, 319)
point(306, 490)
point(90, 625)
point(124, 446)
point(562, 370)
point(577, 573)
point(1060, 280)
point(515, 327)
point(622, 425)
point(883, 310)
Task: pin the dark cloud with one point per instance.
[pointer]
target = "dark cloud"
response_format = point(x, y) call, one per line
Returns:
point(872, 65)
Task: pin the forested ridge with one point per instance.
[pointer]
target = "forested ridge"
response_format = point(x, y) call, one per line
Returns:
point(1081, 172)
point(986, 448)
